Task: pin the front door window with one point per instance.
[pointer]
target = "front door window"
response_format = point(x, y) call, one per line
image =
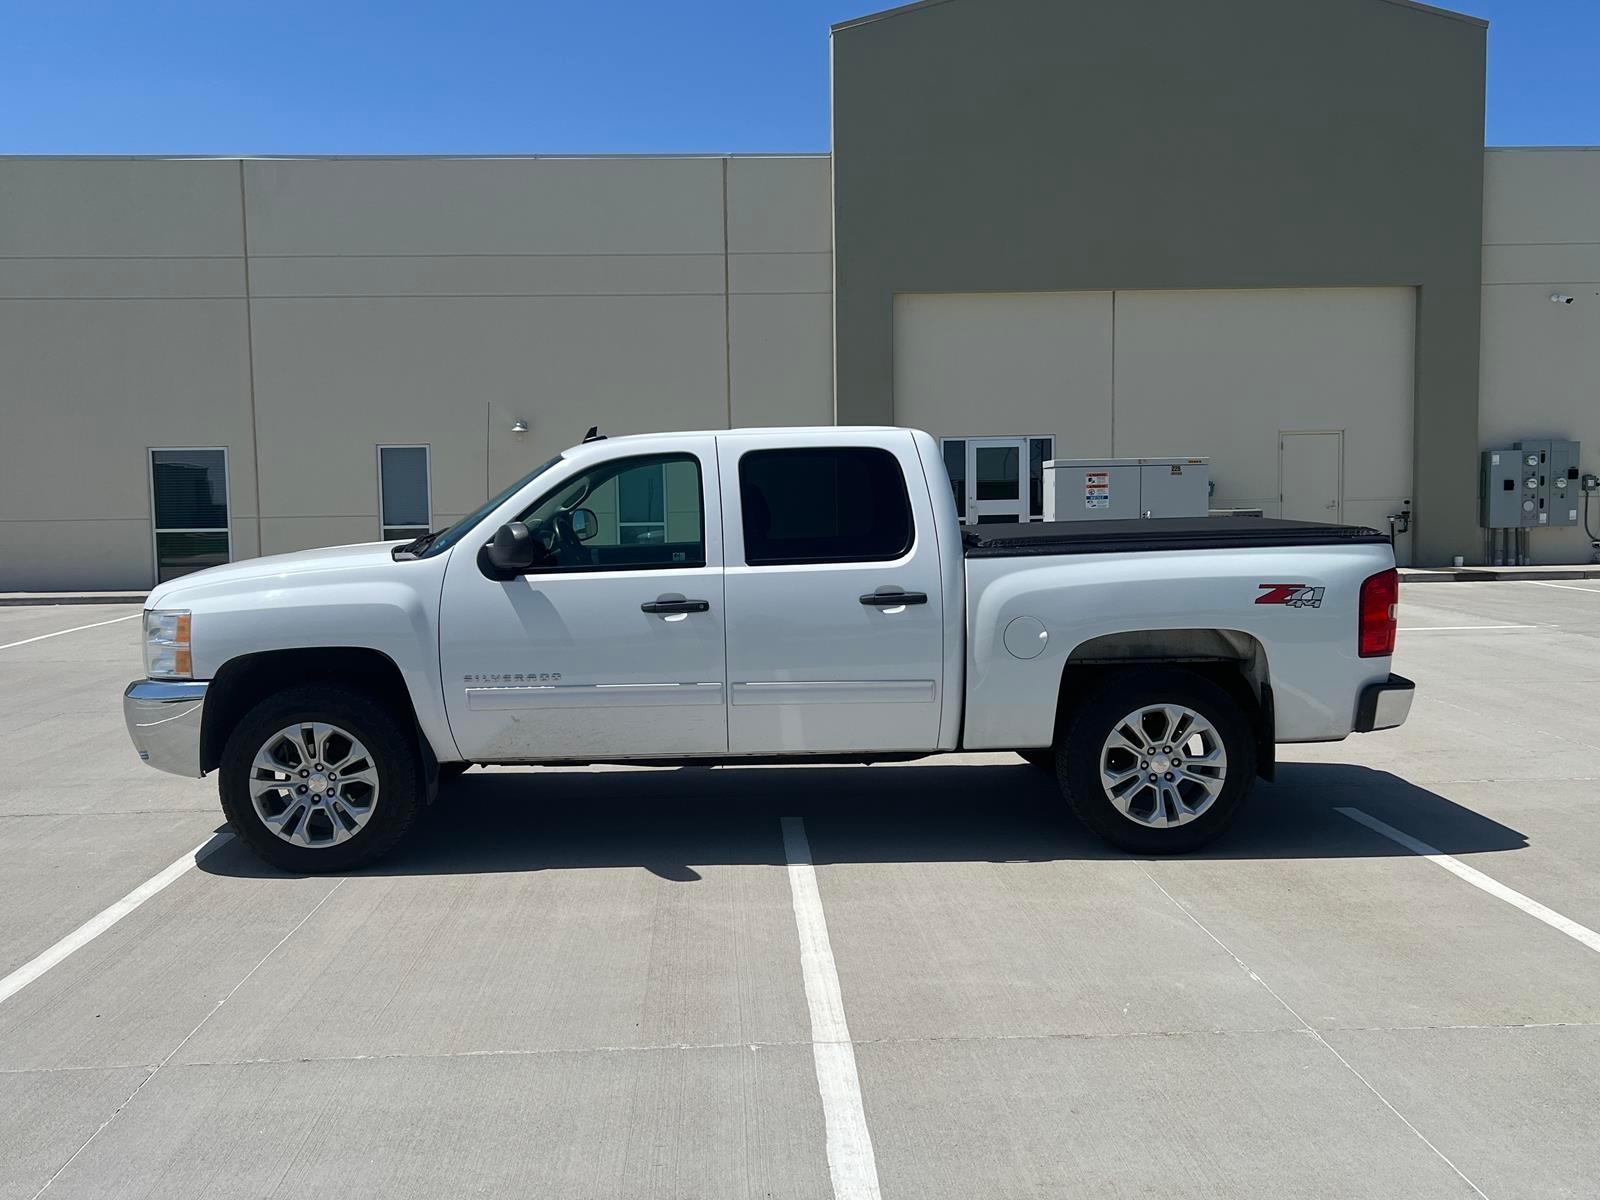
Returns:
point(647, 513)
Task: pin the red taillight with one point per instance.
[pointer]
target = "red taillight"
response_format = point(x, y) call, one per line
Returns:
point(1380, 597)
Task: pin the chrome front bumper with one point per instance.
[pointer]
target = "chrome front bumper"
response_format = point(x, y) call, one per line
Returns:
point(1384, 705)
point(163, 718)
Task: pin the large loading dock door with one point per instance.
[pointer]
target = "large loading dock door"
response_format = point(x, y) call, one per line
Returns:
point(1284, 390)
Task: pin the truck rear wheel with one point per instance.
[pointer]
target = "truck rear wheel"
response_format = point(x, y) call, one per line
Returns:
point(320, 779)
point(1157, 760)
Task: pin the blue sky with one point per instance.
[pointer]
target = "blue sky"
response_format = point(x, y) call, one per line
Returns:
point(469, 77)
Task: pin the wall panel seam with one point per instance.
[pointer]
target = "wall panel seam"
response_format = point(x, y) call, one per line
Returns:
point(118, 257)
point(727, 301)
point(121, 299)
point(503, 295)
point(490, 254)
point(68, 520)
point(366, 516)
point(250, 356)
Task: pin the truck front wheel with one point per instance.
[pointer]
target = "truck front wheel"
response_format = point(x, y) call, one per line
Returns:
point(320, 779)
point(1157, 760)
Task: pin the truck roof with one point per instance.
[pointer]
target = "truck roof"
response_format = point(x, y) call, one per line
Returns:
point(809, 431)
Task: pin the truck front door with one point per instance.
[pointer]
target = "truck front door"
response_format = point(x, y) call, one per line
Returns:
point(613, 648)
point(835, 615)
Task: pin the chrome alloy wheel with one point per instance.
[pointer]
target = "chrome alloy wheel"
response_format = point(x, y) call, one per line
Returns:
point(1163, 765)
point(314, 785)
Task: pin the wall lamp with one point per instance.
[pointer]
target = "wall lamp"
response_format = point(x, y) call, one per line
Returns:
point(519, 426)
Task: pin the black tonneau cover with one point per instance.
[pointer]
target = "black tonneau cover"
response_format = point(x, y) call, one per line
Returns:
point(1163, 533)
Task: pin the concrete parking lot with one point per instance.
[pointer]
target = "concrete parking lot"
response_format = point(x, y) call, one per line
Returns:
point(604, 984)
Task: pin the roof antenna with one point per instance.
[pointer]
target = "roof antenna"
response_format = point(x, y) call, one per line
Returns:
point(594, 435)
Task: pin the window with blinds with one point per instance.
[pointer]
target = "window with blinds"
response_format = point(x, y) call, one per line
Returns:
point(405, 494)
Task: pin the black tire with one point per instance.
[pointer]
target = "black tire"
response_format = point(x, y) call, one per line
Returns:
point(1043, 759)
point(390, 743)
point(1078, 758)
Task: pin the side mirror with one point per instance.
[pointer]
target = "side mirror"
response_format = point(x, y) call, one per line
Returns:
point(513, 550)
point(585, 525)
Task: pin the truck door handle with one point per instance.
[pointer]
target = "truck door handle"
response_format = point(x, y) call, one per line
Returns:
point(675, 606)
point(894, 599)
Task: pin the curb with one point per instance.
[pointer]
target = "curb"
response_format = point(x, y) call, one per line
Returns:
point(20, 599)
point(1493, 574)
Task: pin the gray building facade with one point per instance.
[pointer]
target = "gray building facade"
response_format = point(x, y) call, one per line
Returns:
point(1010, 146)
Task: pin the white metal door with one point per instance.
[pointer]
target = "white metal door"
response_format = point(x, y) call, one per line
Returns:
point(997, 471)
point(570, 664)
point(1311, 474)
point(817, 662)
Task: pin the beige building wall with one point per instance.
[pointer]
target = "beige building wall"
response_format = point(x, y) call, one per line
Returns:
point(1541, 360)
point(122, 326)
point(437, 301)
point(302, 312)
point(780, 301)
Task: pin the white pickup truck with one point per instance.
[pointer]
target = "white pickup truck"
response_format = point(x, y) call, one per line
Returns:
point(750, 595)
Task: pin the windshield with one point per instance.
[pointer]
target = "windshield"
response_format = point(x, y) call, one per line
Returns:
point(439, 542)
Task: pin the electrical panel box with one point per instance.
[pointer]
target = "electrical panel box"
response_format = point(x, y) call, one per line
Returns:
point(1104, 489)
point(1506, 500)
point(1531, 485)
point(1566, 488)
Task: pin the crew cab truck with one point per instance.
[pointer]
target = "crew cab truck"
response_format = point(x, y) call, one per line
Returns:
point(750, 595)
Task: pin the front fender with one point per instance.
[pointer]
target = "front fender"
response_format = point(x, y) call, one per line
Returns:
point(397, 617)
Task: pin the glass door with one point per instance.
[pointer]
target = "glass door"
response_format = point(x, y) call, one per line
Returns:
point(1013, 486)
point(995, 471)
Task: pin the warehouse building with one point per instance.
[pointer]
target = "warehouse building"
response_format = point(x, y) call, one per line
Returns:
point(1262, 231)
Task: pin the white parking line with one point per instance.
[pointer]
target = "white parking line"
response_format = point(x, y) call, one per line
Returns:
point(102, 921)
point(851, 1163)
point(78, 629)
point(1578, 933)
point(173, 1053)
point(1566, 587)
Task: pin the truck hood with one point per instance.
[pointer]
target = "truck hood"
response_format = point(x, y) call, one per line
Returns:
point(274, 566)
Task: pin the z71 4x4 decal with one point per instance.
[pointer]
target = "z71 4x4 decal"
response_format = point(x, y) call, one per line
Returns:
point(1292, 595)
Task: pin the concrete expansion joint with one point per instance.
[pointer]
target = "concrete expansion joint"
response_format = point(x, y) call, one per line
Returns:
point(798, 1043)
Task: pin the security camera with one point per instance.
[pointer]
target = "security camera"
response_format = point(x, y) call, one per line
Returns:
point(1561, 298)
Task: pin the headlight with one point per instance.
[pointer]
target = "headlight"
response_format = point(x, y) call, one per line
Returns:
point(166, 644)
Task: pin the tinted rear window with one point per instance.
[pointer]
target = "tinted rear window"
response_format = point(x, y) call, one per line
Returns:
point(844, 504)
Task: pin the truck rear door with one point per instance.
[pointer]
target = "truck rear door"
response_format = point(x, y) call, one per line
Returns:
point(834, 606)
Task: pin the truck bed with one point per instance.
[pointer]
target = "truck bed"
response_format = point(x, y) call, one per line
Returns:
point(1017, 540)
